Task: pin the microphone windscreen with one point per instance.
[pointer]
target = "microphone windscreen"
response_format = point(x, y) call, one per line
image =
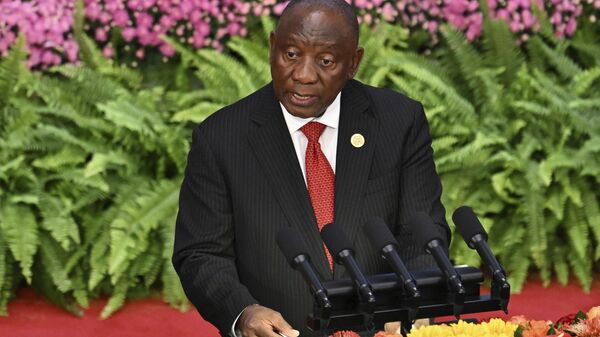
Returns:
point(424, 229)
point(467, 224)
point(291, 244)
point(378, 233)
point(335, 239)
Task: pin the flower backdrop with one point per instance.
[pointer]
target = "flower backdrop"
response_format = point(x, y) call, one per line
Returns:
point(136, 25)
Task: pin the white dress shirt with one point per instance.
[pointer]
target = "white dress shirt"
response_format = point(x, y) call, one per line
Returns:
point(330, 118)
point(328, 141)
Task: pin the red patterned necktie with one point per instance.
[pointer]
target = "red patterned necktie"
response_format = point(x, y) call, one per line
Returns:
point(320, 178)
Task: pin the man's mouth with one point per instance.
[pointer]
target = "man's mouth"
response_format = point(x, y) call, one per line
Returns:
point(302, 99)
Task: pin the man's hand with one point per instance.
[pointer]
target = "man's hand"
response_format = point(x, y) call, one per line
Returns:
point(259, 321)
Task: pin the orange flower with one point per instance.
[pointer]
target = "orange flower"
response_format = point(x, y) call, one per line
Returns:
point(536, 329)
point(593, 313)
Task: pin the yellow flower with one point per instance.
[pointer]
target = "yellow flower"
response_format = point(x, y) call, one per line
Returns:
point(494, 328)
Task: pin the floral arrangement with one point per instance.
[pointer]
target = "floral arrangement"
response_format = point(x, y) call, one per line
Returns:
point(136, 25)
point(574, 325)
point(580, 324)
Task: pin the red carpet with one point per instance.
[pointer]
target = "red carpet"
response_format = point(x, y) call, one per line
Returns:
point(33, 316)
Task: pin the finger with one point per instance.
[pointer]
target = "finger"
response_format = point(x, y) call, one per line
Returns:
point(281, 325)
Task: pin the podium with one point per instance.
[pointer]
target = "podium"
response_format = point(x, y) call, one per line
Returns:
point(392, 303)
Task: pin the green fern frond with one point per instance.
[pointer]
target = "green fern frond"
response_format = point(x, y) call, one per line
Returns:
point(582, 268)
point(561, 267)
point(535, 222)
point(99, 260)
point(138, 216)
point(129, 116)
point(12, 68)
point(592, 215)
point(117, 298)
point(577, 231)
point(556, 202)
point(42, 282)
point(58, 220)
point(582, 82)
point(566, 67)
point(517, 267)
point(20, 230)
point(501, 48)
point(90, 55)
point(47, 132)
point(196, 113)
point(53, 258)
point(69, 155)
point(3, 266)
point(467, 58)
point(255, 54)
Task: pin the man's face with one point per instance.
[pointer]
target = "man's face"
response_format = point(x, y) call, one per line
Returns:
point(313, 54)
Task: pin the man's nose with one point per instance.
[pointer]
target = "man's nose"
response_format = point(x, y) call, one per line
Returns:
point(305, 72)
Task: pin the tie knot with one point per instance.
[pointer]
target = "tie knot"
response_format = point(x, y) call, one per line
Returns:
point(313, 131)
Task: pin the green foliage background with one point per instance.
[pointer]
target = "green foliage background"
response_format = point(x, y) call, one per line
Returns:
point(91, 157)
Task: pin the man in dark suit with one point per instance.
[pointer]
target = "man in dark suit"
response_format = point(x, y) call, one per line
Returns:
point(253, 169)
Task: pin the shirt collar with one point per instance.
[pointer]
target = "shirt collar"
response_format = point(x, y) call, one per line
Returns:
point(330, 118)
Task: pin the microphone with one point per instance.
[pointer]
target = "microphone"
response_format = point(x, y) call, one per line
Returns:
point(380, 236)
point(476, 238)
point(341, 250)
point(428, 237)
point(295, 251)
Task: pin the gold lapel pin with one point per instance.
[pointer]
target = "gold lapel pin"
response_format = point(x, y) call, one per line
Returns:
point(357, 140)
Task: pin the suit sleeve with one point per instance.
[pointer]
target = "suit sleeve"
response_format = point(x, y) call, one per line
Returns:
point(420, 190)
point(204, 254)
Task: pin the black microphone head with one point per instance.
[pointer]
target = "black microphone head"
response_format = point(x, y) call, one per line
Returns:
point(378, 233)
point(467, 224)
point(291, 244)
point(335, 239)
point(424, 229)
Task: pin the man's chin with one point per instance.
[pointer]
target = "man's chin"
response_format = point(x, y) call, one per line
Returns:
point(303, 112)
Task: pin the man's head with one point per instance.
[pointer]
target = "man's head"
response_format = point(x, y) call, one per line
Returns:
point(314, 52)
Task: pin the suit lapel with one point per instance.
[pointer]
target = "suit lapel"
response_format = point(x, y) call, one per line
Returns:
point(353, 163)
point(274, 149)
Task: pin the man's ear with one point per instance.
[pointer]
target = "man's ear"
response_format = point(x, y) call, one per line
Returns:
point(358, 55)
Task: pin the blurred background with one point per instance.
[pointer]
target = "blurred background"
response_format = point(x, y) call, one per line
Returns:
point(98, 99)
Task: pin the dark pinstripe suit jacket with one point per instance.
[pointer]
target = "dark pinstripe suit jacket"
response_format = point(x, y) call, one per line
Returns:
point(243, 183)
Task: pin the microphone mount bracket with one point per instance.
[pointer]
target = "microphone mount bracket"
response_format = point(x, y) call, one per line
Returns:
point(394, 304)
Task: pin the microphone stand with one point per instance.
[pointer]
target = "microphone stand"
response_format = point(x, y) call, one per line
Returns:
point(349, 312)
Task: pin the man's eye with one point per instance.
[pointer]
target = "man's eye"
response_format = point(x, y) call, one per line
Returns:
point(326, 62)
point(291, 54)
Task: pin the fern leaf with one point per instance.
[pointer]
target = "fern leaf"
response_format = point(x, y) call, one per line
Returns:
point(562, 63)
point(58, 221)
point(12, 67)
point(99, 260)
point(197, 113)
point(117, 298)
point(255, 54)
point(592, 214)
point(69, 155)
point(128, 115)
point(53, 258)
point(21, 234)
point(535, 219)
point(501, 48)
point(129, 230)
point(582, 268)
point(577, 231)
point(3, 266)
point(561, 267)
point(582, 82)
